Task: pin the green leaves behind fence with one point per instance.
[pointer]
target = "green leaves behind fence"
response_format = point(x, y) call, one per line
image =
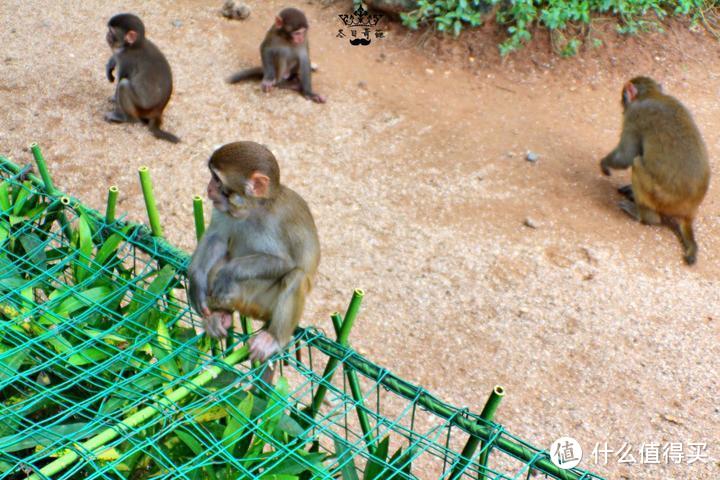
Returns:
point(378, 466)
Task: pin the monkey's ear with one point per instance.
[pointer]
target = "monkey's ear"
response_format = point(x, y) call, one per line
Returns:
point(259, 184)
point(278, 22)
point(131, 37)
point(630, 93)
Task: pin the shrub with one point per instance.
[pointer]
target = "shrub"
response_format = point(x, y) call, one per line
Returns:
point(518, 16)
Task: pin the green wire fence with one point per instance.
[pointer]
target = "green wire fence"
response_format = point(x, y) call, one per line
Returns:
point(103, 373)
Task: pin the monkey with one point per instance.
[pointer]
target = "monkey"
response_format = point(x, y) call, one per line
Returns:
point(260, 252)
point(144, 76)
point(285, 57)
point(669, 160)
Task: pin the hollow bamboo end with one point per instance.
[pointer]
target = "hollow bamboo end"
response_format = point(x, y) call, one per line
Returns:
point(34, 146)
point(197, 198)
point(499, 390)
point(144, 169)
point(65, 200)
point(114, 189)
point(359, 292)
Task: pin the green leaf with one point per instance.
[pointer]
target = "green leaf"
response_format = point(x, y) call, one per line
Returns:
point(374, 466)
point(298, 462)
point(46, 436)
point(5, 203)
point(34, 250)
point(162, 349)
point(22, 197)
point(110, 246)
point(143, 296)
point(90, 355)
point(85, 247)
point(275, 408)
point(85, 298)
point(10, 366)
point(196, 447)
point(237, 421)
point(345, 458)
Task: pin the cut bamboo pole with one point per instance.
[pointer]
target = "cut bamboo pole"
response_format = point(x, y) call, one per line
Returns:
point(153, 215)
point(488, 413)
point(111, 203)
point(42, 168)
point(199, 216)
point(329, 371)
point(355, 391)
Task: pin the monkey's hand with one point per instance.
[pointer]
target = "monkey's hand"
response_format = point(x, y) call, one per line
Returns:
point(604, 166)
point(221, 290)
point(217, 323)
point(197, 293)
point(109, 68)
point(263, 346)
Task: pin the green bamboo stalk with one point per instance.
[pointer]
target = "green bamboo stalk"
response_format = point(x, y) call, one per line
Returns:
point(98, 441)
point(111, 203)
point(355, 391)
point(42, 168)
point(153, 216)
point(487, 414)
point(347, 324)
point(199, 216)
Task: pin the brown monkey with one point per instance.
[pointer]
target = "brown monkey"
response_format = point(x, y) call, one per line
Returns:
point(670, 170)
point(285, 57)
point(144, 77)
point(260, 253)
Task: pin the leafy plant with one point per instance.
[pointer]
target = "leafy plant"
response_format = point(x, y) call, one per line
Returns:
point(519, 16)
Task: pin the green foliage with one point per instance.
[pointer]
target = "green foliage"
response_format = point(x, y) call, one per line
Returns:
point(519, 16)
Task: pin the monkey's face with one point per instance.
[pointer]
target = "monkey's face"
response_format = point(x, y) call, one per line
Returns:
point(113, 39)
point(297, 37)
point(226, 200)
point(118, 38)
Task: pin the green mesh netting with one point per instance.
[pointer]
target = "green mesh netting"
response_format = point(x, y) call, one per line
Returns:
point(103, 375)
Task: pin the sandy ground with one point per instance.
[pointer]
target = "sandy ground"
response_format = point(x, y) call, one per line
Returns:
point(415, 171)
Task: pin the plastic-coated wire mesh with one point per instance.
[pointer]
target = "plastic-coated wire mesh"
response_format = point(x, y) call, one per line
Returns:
point(95, 332)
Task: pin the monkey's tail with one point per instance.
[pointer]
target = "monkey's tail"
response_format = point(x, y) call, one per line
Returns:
point(162, 134)
point(255, 73)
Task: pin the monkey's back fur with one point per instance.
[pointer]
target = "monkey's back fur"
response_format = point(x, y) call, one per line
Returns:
point(672, 172)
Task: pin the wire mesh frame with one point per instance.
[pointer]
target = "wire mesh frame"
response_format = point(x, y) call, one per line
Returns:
point(85, 341)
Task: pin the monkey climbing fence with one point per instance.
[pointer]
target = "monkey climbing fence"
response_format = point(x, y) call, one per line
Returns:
point(102, 374)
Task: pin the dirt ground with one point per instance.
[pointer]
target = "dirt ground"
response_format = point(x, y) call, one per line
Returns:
point(416, 173)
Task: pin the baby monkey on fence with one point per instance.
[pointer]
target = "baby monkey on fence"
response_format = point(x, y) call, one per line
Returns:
point(260, 253)
point(670, 170)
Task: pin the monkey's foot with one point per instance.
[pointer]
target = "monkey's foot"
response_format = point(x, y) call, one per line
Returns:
point(267, 85)
point(317, 98)
point(641, 214)
point(116, 117)
point(262, 346)
point(627, 192)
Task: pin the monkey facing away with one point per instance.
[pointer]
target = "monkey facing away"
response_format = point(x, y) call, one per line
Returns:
point(144, 77)
point(260, 253)
point(670, 170)
point(285, 57)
